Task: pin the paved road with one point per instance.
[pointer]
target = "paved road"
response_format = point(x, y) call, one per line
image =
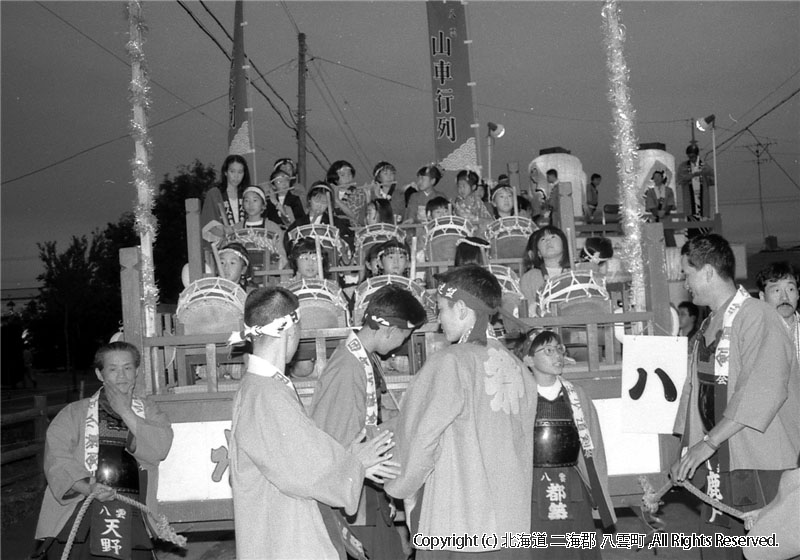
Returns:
point(17, 539)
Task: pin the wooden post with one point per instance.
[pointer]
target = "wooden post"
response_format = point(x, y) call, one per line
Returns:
point(513, 174)
point(143, 177)
point(318, 249)
point(300, 172)
point(132, 312)
point(655, 273)
point(564, 216)
point(194, 239)
point(40, 427)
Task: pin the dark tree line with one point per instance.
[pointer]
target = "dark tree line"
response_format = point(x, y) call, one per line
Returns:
point(79, 305)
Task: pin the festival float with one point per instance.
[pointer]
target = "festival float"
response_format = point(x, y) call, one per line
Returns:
point(629, 308)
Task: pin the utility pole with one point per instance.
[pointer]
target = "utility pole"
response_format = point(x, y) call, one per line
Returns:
point(758, 150)
point(301, 116)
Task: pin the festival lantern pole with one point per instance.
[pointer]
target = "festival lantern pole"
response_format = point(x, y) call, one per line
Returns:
point(625, 144)
point(142, 174)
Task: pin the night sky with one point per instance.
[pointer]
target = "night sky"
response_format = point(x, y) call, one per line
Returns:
point(539, 67)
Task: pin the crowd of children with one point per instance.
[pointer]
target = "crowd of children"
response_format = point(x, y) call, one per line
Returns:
point(375, 223)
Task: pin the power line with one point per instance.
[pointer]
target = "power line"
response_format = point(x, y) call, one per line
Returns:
point(322, 74)
point(274, 91)
point(110, 141)
point(742, 131)
point(119, 58)
point(499, 107)
point(250, 60)
point(770, 93)
point(228, 56)
point(289, 15)
point(334, 115)
point(752, 201)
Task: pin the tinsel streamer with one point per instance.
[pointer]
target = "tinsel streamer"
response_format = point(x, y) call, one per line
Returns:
point(625, 149)
point(143, 179)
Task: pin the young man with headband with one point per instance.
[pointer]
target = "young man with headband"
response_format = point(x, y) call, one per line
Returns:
point(465, 431)
point(347, 400)
point(282, 465)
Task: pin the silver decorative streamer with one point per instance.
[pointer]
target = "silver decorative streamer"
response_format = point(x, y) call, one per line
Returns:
point(143, 180)
point(625, 148)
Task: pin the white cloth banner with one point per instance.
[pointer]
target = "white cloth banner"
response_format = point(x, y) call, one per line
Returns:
point(653, 373)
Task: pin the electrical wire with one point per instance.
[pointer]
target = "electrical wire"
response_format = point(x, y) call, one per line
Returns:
point(742, 131)
point(334, 115)
point(122, 60)
point(107, 142)
point(365, 159)
point(289, 15)
point(795, 73)
point(275, 92)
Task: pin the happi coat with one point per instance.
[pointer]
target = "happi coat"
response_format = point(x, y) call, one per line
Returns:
point(339, 403)
point(599, 452)
point(64, 460)
point(339, 407)
point(763, 392)
point(282, 464)
point(465, 432)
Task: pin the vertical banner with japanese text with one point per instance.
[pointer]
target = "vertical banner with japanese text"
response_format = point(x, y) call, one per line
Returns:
point(453, 112)
point(240, 130)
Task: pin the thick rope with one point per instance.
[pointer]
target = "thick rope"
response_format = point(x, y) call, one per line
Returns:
point(160, 523)
point(651, 500)
point(76, 525)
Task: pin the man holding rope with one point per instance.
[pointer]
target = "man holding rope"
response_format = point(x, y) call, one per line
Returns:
point(740, 409)
point(282, 466)
point(347, 400)
point(108, 444)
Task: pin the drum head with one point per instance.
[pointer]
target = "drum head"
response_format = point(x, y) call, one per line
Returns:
point(510, 247)
point(371, 285)
point(583, 306)
point(321, 314)
point(211, 305)
point(211, 317)
point(443, 248)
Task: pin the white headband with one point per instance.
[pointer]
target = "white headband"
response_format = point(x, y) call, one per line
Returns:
point(274, 329)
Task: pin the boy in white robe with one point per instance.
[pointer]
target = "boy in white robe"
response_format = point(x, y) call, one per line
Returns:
point(282, 465)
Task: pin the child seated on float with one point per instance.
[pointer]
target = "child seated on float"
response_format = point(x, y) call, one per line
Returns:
point(318, 198)
point(427, 179)
point(437, 207)
point(385, 188)
point(546, 255)
point(255, 204)
point(503, 201)
point(379, 211)
point(595, 255)
point(468, 203)
point(234, 265)
point(282, 206)
point(304, 261)
point(393, 258)
point(372, 265)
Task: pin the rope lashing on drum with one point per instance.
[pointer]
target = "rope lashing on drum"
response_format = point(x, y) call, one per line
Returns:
point(651, 499)
point(160, 523)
